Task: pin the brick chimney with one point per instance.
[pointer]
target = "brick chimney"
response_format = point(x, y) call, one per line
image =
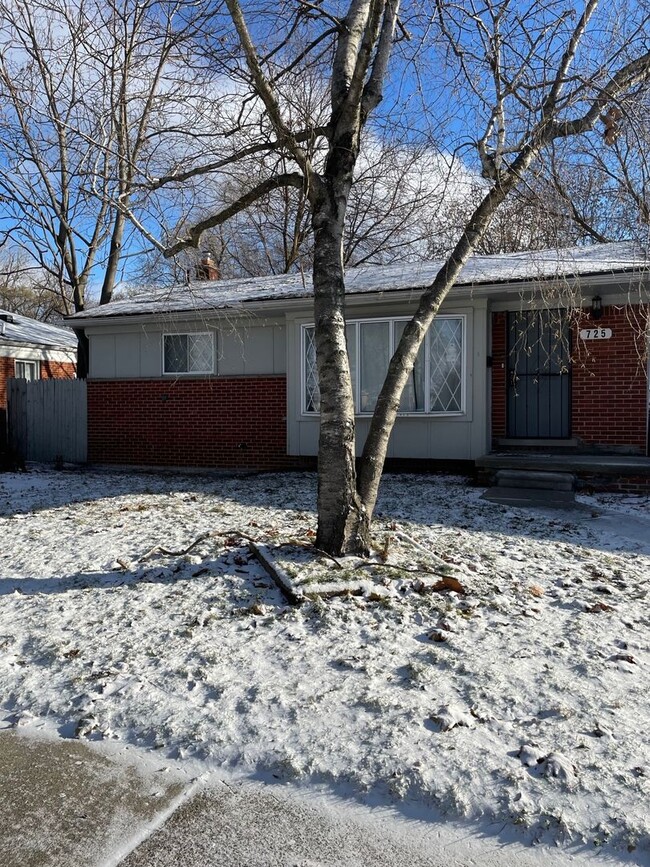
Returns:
point(207, 268)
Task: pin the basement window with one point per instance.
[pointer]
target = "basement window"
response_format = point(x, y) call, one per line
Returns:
point(436, 385)
point(29, 370)
point(188, 353)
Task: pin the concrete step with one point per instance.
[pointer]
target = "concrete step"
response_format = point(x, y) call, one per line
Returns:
point(536, 479)
point(536, 498)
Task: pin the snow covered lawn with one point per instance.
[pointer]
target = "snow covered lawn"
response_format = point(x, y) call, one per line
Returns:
point(525, 700)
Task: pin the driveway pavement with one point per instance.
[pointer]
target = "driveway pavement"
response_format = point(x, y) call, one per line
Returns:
point(65, 804)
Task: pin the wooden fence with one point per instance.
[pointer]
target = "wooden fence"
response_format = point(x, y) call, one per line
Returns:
point(47, 419)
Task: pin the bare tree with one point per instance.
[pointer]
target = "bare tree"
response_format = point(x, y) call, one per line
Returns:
point(524, 82)
point(87, 89)
point(26, 292)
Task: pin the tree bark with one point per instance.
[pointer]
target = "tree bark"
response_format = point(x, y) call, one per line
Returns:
point(343, 527)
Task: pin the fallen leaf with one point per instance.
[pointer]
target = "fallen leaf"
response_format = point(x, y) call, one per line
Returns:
point(598, 606)
point(536, 590)
point(449, 584)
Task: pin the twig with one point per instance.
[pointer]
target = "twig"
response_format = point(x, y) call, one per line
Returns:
point(331, 557)
point(210, 534)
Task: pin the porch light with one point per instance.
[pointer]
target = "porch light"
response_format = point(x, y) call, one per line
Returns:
point(596, 307)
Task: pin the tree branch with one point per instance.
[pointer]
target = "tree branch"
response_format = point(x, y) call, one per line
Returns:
point(291, 179)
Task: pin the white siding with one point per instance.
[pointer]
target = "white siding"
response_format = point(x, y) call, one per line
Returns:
point(254, 348)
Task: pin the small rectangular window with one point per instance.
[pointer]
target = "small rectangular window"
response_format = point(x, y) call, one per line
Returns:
point(188, 353)
point(27, 370)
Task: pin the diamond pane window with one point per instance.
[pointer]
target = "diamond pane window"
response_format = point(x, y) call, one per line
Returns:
point(312, 391)
point(446, 365)
point(188, 353)
point(436, 383)
point(374, 352)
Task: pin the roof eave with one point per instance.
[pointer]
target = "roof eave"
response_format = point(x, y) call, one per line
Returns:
point(460, 291)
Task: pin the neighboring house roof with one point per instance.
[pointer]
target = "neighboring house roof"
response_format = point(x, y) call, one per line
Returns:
point(602, 259)
point(17, 330)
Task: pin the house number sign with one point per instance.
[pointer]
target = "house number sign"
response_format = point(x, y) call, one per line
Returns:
point(595, 333)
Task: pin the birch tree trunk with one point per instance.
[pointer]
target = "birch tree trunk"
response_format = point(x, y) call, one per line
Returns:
point(340, 512)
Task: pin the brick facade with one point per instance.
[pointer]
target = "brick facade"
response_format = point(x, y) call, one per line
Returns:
point(609, 384)
point(58, 370)
point(7, 371)
point(217, 422)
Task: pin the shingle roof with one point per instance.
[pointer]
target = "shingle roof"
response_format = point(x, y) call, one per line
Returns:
point(21, 330)
point(480, 270)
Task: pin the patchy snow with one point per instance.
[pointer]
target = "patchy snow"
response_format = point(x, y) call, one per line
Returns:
point(523, 701)
point(613, 258)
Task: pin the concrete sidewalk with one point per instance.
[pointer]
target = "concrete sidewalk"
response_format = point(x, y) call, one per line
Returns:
point(65, 804)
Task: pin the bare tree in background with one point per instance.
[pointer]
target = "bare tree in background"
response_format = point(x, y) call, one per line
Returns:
point(401, 208)
point(87, 90)
point(24, 291)
point(522, 82)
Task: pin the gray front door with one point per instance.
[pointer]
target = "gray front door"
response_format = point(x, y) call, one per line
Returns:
point(539, 374)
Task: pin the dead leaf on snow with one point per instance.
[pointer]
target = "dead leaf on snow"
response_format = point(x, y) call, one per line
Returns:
point(536, 590)
point(449, 584)
point(598, 606)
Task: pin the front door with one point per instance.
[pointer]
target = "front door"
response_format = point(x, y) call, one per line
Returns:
point(539, 374)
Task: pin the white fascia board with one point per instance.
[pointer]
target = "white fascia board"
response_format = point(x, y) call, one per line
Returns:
point(31, 352)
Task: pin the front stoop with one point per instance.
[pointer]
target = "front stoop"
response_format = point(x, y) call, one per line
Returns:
point(540, 498)
point(593, 472)
point(536, 488)
point(548, 481)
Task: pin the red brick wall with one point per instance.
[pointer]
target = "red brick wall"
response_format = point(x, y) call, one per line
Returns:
point(609, 381)
point(7, 371)
point(49, 370)
point(222, 422)
point(58, 370)
point(609, 385)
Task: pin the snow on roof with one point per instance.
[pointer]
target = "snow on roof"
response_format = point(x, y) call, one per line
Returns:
point(480, 270)
point(17, 329)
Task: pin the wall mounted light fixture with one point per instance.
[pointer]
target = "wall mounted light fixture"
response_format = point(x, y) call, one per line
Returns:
point(596, 307)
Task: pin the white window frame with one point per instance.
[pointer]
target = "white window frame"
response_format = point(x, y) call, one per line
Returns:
point(33, 363)
point(166, 334)
point(427, 412)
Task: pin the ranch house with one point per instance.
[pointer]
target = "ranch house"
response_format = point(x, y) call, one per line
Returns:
point(539, 351)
